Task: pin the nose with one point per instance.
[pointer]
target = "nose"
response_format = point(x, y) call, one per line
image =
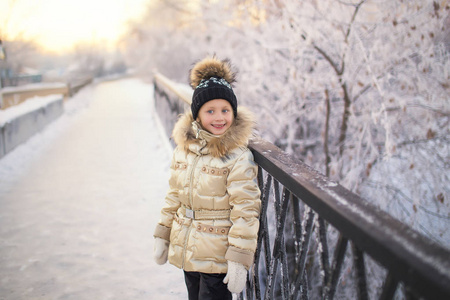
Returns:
point(219, 116)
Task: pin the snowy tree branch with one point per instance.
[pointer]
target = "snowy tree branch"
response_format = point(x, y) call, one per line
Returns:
point(325, 138)
point(418, 105)
point(378, 185)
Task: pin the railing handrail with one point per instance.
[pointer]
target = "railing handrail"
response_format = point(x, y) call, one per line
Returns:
point(412, 258)
point(421, 264)
point(184, 95)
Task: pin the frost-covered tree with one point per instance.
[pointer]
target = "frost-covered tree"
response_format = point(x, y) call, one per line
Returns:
point(356, 88)
point(87, 61)
point(161, 40)
point(21, 50)
point(377, 71)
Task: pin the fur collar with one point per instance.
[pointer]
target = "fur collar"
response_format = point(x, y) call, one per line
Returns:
point(189, 135)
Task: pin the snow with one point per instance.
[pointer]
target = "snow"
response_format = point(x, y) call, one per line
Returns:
point(26, 106)
point(80, 200)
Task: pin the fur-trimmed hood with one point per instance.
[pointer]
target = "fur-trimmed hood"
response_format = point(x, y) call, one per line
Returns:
point(189, 135)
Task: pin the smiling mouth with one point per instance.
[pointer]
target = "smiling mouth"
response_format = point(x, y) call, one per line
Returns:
point(218, 125)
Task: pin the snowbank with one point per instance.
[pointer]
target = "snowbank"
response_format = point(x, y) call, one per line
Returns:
point(20, 122)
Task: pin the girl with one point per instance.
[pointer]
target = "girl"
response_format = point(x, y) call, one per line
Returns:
point(209, 223)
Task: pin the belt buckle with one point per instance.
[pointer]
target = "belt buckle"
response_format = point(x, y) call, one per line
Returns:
point(189, 213)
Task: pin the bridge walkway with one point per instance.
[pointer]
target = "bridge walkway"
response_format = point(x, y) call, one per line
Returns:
point(77, 223)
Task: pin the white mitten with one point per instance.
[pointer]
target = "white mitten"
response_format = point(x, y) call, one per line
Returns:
point(160, 251)
point(236, 277)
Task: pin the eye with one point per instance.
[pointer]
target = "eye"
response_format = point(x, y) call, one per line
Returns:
point(225, 110)
point(210, 111)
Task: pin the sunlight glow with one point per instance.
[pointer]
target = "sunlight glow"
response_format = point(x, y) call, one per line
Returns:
point(58, 25)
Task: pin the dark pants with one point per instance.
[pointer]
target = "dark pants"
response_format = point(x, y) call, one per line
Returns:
point(202, 286)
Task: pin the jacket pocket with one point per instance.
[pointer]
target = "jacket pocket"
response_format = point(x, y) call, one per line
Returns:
point(177, 178)
point(213, 181)
point(210, 242)
point(178, 232)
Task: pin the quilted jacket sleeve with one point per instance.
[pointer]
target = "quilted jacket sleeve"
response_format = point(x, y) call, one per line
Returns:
point(170, 207)
point(245, 204)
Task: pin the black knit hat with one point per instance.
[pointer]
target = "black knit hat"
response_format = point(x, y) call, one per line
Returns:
point(210, 89)
point(212, 79)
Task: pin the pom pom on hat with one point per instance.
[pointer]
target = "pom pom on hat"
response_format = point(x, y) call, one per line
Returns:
point(211, 79)
point(211, 67)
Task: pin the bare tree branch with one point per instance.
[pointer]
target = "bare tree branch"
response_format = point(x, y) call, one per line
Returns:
point(345, 116)
point(325, 138)
point(418, 105)
point(378, 185)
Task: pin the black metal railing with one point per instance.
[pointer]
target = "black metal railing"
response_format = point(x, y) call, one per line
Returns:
point(318, 240)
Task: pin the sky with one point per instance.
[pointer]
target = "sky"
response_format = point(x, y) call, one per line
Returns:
point(57, 25)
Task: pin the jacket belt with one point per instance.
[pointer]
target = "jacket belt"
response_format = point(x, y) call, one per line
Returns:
point(223, 230)
point(213, 229)
point(204, 214)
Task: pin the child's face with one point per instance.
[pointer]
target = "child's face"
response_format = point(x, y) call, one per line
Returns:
point(216, 116)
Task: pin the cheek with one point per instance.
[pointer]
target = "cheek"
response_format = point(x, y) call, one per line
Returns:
point(202, 120)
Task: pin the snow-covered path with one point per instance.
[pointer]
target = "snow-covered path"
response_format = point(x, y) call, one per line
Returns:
point(79, 203)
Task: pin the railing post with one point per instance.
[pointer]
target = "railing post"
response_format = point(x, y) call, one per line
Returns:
point(358, 260)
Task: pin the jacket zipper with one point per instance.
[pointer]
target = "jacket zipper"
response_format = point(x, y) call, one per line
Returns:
point(191, 179)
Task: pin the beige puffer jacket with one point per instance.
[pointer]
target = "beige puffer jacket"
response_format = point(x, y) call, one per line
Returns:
point(213, 180)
